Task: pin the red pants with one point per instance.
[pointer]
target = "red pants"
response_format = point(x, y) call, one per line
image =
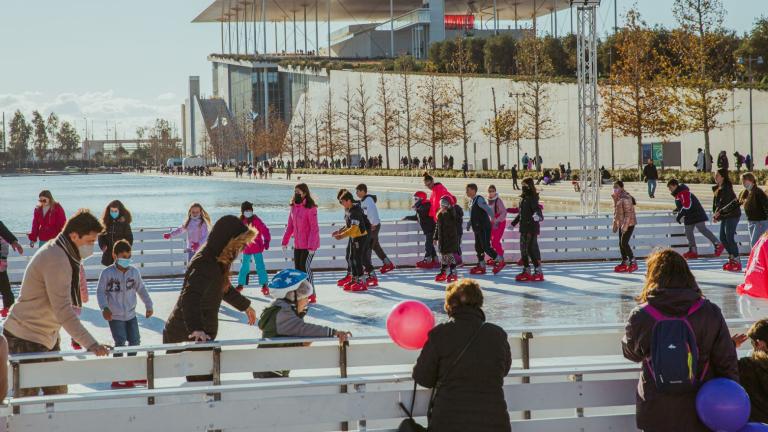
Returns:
point(496, 236)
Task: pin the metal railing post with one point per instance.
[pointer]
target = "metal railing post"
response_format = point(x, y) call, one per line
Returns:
point(150, 375)
point(343, 346)
point(579, 378)
point(525, 341)
point(362, 424)
point(16, 384)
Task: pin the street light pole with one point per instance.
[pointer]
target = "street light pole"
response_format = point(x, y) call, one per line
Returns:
point(759, 61)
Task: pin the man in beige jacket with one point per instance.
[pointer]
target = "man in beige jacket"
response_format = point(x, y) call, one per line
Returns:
point(51, 286)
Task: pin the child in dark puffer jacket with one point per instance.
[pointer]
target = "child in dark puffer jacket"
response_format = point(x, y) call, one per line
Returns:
point(427, 223)
point(753, 370)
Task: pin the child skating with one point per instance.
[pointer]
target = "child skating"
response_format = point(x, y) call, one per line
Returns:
point(624, 221)
point(499, 221)
point(255, 249)
point(690, 211)
point(421, 205)
point(368, 203)
point(480, 218)
point(196, 226)
point(356, 230)
point(529, 216)
point(447, 240)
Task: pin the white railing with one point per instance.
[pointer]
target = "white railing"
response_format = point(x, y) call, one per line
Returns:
point(563, 378)
point(563, 238)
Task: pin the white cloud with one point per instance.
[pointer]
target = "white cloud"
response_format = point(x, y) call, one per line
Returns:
point(99, 108)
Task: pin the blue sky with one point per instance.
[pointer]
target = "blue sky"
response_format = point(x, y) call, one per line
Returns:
point(128, 61)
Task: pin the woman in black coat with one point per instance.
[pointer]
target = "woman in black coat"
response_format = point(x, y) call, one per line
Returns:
point(470, 395)
point(727, 211)
point(206, 283)
point(117, 226)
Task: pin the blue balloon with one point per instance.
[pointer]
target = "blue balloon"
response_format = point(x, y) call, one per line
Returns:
point(723, 405)
point(755, 427)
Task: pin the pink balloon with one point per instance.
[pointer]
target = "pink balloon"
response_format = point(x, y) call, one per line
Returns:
point(409, 323)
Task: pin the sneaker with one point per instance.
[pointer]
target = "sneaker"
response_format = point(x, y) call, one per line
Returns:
point(733, 266)
point(477, 270)
point(442, 277)
point(122, 384)
point(424, 264)
point(239, 288)
point(632, 267)
point(386, 268)
point(357, 286)
point(538, 276)
point(490, 261)
point(372, 281)
point(452, 278)
point(498, 267)
point(621, 268)
point(265, 290)
point(343, 281)
point(349, 284)
point(690, 255)
point(719, 249)
point(76, 346)
point(4, 312)
point(525, 276)
point(727, 265)
point(313, 298)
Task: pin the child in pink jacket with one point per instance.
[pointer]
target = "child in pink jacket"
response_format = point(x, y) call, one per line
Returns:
point(303, 227)
point(499, 220)
point(254, 250)
point(196, 226)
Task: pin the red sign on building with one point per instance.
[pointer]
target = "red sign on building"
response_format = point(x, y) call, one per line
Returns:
point(459, 22)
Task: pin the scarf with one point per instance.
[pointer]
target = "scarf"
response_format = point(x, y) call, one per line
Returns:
point(64, 242)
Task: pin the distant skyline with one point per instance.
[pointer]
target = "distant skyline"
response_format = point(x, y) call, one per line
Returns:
point(129, 62)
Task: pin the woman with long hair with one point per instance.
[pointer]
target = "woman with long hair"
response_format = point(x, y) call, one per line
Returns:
point(529, 216)
point(117, 226)
point(48, 219)
point(624, 221)
point(755, 203)
point(196, 227)
point(727, 211)
point(671, 291)
point(305, 230)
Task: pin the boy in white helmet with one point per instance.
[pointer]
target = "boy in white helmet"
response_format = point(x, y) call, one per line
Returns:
point(284, 318)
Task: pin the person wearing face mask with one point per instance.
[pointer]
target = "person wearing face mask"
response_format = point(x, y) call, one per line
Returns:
point(624, 221)
point(117, 226)
point(197, 225)
point(727, 211)
point(303, 227)
point(49, 290)
point(755, 204)
point(47, 221)
point(284, 317)
point(255, 249)
point(119, 284)
point(529, 216)
point(499, 221)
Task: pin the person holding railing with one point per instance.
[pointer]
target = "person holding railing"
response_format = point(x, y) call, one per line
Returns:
point(727, 211)
point(49, 290)
point(196, 227)
point(465, 362)
point(677, 334)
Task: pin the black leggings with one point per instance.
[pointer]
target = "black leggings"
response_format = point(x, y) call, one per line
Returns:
point(483, 245)
point(5, 290)
point(529, 249)
point(626, 249)
point(359, 256)
point(302, 260)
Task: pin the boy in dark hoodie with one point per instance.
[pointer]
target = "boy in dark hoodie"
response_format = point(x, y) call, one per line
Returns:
point(356, 229)
point(422, 206)
point(753, 370)
point(690, 211)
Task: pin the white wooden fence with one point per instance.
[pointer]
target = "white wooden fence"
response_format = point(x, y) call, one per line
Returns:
point(563, 238)
point(563, 379)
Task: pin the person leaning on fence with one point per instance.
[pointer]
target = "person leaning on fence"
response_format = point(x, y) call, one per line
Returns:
point(670, 297)
point(284, 317)
point(753, 369)
point(689, 210)
point(727, 211)
point(755, 203)
point(422, 207)
point(465, 361)
point(49, 290)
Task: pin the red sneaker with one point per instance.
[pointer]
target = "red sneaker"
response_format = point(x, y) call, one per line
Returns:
point(343, 281)
point(691, 255)
point(621, 268)
point(76, 346)
point(313, 298)
point(265, 290)
point(452, 278)
point(525, 276)
point(477, 270)
point(349, 284)
point(632, 267)
point(498, 267)
point(442, 277)
point(357, 287)
point(732, 266)
point(386, 268)
point(537, 277)
point(239, 288)
point(490, 261)
point(122, 384)
point(4, 312)
point(719, 249)
point(424, 264)
point(372, 281)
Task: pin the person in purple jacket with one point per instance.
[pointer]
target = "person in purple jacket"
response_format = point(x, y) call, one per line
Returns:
point(196, 226)
point(254, 250)
point(305, 230)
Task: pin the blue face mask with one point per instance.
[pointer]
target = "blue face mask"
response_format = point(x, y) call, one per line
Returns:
point(124, 262)
point(114, 214)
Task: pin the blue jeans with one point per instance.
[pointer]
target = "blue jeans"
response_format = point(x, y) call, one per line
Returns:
point(125, 331)
point(756, 229)
point(245, 269)
point(651, 187)
point(728, 236)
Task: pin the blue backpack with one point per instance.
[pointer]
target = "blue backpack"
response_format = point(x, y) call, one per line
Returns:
point(674, 359)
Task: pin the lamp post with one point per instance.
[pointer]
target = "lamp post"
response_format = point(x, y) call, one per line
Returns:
point(759, 60)
point(517, 123)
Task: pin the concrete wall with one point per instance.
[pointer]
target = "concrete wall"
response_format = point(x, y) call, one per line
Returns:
point(564, 146)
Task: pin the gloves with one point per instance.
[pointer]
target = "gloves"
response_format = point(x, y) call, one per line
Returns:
point(266, 246)
point(167, 236)
point(537, 218)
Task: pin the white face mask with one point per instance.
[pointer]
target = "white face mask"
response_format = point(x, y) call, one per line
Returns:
point(248, 214)
point(85, 251)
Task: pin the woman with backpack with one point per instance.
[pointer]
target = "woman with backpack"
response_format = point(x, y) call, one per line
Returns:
point(671, 291)
point(624, 221)
point(465, 361)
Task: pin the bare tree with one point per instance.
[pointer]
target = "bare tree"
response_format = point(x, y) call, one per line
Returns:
point(435, 119)
point(386, 117)
point(362, 107)
point(502, 127)
point(348, 119)
point(407, 94)
point(329, 130)
point(461, 65)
